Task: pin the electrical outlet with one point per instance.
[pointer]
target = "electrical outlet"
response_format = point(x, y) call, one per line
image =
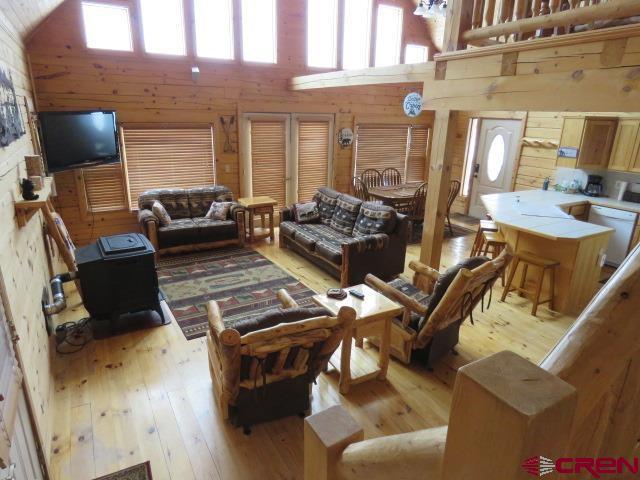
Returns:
point(618, 184)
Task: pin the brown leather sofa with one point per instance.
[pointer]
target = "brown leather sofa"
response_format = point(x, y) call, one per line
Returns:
point(189, 229)
point(350, 239)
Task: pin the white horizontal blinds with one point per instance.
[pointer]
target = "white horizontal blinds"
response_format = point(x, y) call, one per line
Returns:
point(104, 188)
point(168, 158)
point(313, 157)
point(417, 160)
point(380, 147)
point(269, 159)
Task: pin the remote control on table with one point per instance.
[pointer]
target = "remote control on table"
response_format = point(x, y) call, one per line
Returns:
point(357, 294)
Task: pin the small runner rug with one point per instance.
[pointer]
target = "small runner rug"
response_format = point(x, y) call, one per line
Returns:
point(139, 472)
point(242, 281)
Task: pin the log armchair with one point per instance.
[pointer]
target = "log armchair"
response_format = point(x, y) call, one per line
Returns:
point(436, 304)
point(262, 367)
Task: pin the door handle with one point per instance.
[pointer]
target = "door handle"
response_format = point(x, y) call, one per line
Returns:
point(476, 170)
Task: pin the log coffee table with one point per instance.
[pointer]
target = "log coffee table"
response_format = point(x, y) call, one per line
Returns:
point(373, 319)
point(263, 207)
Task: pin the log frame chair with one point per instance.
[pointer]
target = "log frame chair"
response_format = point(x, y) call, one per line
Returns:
point(297, 352)
point(439, 334)
point(391, 176)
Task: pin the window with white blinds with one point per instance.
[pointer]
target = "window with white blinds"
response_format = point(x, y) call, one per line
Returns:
point(269, 159)
point(417, 159)
point(104, 188)
point(380, 147)
point(402, 147)
point(167, 158)
point(313, 157)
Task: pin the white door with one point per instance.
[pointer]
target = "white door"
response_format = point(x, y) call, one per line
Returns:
point(286, 156)
point(495, 161)
point(18, 451)
point(23, 455)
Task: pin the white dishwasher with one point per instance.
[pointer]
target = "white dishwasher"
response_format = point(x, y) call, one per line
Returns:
point(623, 223)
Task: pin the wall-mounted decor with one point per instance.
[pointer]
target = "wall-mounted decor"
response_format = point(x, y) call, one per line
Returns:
point(345, 137)
point(412, 105)
point(227, 123)
point(10, 123)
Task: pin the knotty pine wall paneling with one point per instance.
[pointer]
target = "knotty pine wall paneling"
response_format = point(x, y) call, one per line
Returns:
point(24, 265)
point(158, 89)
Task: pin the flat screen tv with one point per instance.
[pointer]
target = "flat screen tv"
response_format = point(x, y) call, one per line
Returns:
point(79, 139)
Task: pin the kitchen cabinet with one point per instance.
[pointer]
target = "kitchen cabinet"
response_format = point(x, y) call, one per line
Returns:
point(591, 137)
point(624, 155)
point(579, 212)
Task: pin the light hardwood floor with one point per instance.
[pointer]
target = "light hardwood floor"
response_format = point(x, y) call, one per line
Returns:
point(147, 395)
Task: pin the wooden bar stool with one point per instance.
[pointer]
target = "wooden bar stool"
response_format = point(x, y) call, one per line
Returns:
point(544, 265)
point(478, 242)
point(492, 244)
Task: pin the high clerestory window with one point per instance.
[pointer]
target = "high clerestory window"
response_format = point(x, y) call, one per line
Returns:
point(416, 54)
point(214, 28)
point(357, 34)
point(322, 33)
point(388, 35)
point(259, 31)
point(163, 26)
point(107, 27)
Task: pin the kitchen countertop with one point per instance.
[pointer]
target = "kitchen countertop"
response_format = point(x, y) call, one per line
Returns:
point(505, 210)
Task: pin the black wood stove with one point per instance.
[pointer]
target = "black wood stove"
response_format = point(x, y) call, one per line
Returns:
point(118, 276)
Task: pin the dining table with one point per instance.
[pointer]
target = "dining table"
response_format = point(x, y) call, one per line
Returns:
point(396, 196)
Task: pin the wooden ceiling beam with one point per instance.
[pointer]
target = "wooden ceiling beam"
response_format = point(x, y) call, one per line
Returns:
point(414, 73)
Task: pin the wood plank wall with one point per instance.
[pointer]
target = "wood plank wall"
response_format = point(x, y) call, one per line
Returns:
point(24, 266)
point(153, 89)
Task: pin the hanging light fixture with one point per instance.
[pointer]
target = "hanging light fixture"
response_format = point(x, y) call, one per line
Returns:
point(436, 8)
point(421, 9)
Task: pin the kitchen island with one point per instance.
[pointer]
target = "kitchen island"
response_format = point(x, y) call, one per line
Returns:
point(535, 221)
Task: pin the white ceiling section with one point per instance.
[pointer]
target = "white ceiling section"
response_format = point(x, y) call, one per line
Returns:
point(25, 15)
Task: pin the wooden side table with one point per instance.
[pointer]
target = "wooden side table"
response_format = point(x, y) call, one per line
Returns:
point(373, 319)
point(262, 207)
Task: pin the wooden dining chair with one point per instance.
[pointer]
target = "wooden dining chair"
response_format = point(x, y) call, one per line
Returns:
point(454, 190)
point(415, 209)
point(371, 177)
point(391, 176)
point(359, 189)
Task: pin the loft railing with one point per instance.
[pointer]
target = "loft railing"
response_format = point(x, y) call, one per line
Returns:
point(490, 22)
point(582, 402)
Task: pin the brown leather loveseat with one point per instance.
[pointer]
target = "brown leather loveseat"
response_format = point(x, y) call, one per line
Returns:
point(347, 237)
point(188, 228)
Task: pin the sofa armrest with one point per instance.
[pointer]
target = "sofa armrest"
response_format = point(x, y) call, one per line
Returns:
point(286, 214)
point(374, 242)
point(235, 210)
point(149, 224)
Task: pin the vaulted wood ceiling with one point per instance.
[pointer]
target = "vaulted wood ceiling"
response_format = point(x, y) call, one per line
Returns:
point(25, 15)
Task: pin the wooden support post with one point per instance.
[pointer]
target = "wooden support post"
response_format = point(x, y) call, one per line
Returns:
point(438, 189)
point(326, 435)
point(459, 20)
point(505, 410)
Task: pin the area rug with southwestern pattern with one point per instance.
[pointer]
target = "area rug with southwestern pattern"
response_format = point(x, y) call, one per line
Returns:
point(242, 281)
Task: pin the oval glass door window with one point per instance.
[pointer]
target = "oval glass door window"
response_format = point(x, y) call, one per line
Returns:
point(495, 158)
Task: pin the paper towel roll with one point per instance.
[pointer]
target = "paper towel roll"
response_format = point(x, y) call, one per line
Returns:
point(623, 188)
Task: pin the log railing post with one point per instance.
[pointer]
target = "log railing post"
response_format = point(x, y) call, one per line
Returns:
point(326, 435)
point(506, 410)
point(459, 20)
